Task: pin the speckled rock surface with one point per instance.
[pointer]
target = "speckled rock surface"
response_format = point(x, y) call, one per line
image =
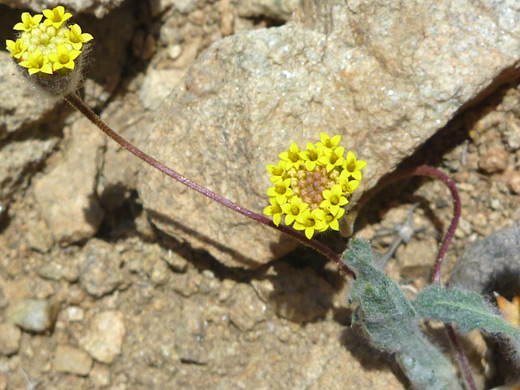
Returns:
point(384, 77)
point(104, 338)
point(97, 7)
point(99, 268)
point(279, 9)
point(34, 315)
point(66, 201)
point(72, 360)
point(20, 104)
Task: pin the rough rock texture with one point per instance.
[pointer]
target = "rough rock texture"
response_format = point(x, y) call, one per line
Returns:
point(34, 315)
point(72, 360)
point(20, 104)
point(99, 268)
point(10, 337)
point(104, 339)
point(31, 122)
point(66, 193)
point(97, 7)
point(21, 108)
point(278, 9)
point(490, 264)
point(385, 77)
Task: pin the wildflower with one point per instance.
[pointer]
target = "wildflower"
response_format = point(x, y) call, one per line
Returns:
point(311, 186)
point(49, 50)
point(76, 37)
point(310, 221)
point(328, 142)
point(294, 209)
point(332, 158)
point(331, 219)
point(310, 156)
point(292, 157)
point(36, 62)
point(275, 210)
point(353, 166)
point(16, 48)
point(56, 17)
point(63, 58)
point(28, 22)
point(277, 171)
point(333, 199)
point(281, 190)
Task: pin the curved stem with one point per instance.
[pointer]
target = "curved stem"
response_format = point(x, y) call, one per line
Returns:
point(461, 357)
point(434, 172)
point(76, 102)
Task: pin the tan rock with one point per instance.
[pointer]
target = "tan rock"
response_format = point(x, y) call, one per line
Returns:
point(72, 360)
point(66, 193)
point(384, 77)
point(104, 339)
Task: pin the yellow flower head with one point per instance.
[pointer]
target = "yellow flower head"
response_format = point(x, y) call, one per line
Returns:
point(311, 186)
point(48, 47)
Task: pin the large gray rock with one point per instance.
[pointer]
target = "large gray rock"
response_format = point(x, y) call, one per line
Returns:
point(490, 264)
point(384, 77)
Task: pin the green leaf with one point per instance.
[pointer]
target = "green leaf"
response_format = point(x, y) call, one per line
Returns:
point(391, 322)
point(467, 309)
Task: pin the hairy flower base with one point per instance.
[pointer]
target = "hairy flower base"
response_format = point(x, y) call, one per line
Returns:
point(46, 45)
point(311, 186)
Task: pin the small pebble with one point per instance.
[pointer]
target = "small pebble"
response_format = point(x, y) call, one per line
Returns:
point(159, 274)
point(72, 360)
point(50, 271)
point(100, 376)
point(176, 262)
point(3, 381)
point(75, 314)
point(514, 182)
point(100, 273)
point(174, 51)
point(495, 204)
point(34, 315)
point(494, 161)
point(104, 339)
point(10, 337)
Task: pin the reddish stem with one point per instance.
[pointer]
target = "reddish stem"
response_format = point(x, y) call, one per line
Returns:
point(76, 102)
point(434, 172)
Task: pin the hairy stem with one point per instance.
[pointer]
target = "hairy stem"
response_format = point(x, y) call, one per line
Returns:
point(76, 102)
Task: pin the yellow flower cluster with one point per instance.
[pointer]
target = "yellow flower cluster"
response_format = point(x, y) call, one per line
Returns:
point(311, 186)
point(47, 46)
